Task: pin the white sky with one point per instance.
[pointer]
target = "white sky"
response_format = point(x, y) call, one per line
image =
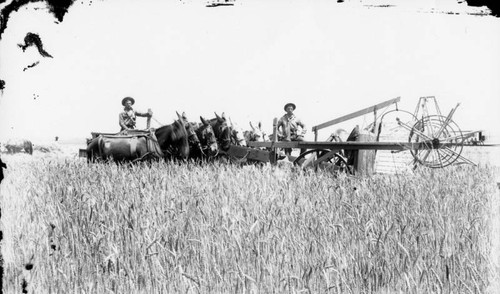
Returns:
point(247, 60)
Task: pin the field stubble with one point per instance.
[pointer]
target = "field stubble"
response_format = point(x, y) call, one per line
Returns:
point(222, 228)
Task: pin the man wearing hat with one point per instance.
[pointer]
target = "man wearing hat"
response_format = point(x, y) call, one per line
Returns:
point(128, 116)
point(292, 128)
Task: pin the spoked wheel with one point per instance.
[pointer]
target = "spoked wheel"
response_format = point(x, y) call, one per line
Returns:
point(433, 131)
point(395, 126)
point(323, 159)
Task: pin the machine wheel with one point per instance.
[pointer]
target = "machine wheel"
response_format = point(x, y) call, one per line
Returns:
point(432, 131)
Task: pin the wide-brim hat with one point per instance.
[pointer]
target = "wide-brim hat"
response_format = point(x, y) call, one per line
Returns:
point(289, 104)
point(124, 100)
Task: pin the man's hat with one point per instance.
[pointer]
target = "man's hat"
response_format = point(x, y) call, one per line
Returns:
point(124, 100)
point(289, 104)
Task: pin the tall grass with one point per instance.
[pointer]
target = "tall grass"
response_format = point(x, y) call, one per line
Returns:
point(220, 228)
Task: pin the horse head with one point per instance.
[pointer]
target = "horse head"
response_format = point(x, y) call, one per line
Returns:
point(220, 119)
point(206, 135)
point(237, 134)
point(256, 134)
point(194, 141)
point(173, 138)
point(222, 131)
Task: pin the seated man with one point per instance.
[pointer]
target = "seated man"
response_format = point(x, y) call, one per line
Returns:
point(292, 128)
point(127, 118)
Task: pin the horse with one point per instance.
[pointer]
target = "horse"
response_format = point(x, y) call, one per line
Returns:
point(256, 134)
point(237, 135)
point(222, 131)
point(19, 145)
point(205, 146)
point(173, 139)
point(193, 140)
point(167, 142)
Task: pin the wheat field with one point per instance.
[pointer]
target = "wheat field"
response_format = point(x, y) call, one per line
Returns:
point(70, 227)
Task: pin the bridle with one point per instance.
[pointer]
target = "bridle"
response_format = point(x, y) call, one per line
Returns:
point(226, 140)
point(203, 132)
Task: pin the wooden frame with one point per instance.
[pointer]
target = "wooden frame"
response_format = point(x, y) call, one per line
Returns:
point(355, 114)
point(396, 146)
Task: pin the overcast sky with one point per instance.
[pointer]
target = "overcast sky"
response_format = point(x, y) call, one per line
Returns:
point(246, 60)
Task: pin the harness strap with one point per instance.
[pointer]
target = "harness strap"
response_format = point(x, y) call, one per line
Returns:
point(153, 145)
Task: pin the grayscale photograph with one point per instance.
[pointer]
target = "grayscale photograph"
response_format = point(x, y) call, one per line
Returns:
point(239, 146)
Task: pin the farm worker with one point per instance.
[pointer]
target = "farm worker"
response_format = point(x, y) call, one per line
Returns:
point(128, 116)
point(291, 128)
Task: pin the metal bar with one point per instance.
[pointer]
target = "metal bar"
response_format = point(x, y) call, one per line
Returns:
point(481, 146)
point(353, 145)
point(360, 145)
point(447, 121)
point(446, 149)
point(356, 114)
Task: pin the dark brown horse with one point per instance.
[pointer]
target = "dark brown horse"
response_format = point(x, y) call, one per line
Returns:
point(173, 139)
point(222, 131)
point(168, 142)
point(202, 141)
point(208, 147)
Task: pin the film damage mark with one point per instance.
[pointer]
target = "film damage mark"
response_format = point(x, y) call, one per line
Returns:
point(58, 8)
point(493, 5)
point(34, 40)
point(217, 3)
point(31, 65)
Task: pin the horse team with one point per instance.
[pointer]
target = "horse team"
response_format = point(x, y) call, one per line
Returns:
point(181, 140)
